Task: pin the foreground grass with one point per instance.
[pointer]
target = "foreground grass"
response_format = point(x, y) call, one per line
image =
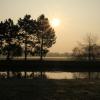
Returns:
point(49, 89)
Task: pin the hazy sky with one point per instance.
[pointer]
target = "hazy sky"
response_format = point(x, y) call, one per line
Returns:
point(78, 17)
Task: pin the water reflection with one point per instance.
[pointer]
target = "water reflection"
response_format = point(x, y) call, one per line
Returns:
point(59, 75)
point(52, 75)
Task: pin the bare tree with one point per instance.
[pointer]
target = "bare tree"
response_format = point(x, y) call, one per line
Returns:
point(88, 50)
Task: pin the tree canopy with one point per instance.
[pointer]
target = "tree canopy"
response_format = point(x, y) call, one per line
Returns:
point(45, 36)
point(27, 36)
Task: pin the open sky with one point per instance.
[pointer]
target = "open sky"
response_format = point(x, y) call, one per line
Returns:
point(77, 17)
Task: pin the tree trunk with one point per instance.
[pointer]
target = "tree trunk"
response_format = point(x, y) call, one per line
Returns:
point(25, 73)
point(8, 58)
point(26, 48)
point(89, 52)
point(41, 54)
point(41, 50)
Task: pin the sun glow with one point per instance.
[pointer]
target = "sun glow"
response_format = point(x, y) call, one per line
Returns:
point(55, 22)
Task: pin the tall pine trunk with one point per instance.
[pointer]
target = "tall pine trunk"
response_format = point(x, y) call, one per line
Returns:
point(41, 49)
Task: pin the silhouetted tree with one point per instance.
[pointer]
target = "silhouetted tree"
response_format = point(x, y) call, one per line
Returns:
point(87, 50)
point(45, 36)
point(8, 34)
point(77, 52)
point(90, 47)
point(27, 31)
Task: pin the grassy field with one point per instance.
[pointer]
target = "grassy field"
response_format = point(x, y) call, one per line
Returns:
point(38, 89)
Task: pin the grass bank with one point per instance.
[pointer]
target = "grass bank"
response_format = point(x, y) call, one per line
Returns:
point(38, 89)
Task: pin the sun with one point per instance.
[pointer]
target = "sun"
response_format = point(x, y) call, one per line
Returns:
point(55, 22)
